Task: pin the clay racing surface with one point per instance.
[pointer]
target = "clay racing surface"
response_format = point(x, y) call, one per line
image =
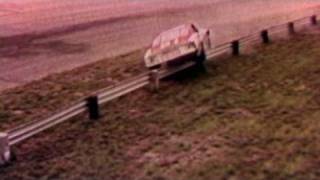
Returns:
point(39, 38)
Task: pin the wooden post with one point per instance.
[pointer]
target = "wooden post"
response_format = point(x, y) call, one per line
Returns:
point(291, 29)
point(313, 20)
point(265, 36)
point(5, 154)
point(154, 76)
point(235, 45)
point(93, 107)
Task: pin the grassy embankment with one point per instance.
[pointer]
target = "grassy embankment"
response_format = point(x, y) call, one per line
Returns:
point(249, 117)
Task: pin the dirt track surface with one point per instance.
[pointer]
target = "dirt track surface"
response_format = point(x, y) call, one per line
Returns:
point(41, 38)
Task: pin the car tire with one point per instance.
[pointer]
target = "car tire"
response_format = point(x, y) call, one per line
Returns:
point(201, 57)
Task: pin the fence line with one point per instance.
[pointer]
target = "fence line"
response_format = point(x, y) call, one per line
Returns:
point(92, 103)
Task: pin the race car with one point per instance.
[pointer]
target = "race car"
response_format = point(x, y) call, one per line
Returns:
point(183, 43)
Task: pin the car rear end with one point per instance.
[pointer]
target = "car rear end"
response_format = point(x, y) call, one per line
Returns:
point(170, 54)
point(171, 46)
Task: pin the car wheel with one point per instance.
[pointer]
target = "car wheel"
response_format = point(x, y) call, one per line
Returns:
point(201, 57)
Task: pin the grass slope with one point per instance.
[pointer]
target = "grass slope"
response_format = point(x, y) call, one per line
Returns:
point(249, 117)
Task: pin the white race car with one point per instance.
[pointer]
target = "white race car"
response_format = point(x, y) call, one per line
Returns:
point(177, 45)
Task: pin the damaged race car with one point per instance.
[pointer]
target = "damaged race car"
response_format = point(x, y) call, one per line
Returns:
point(178, 45)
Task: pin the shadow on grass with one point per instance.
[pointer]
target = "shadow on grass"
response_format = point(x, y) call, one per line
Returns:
point(190, 74)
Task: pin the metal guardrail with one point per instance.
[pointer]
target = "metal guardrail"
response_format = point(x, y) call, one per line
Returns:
point(32, 128)
point(124, 88)
point(25, 131)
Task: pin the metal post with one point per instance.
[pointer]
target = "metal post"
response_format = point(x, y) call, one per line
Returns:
point(5, 154)
point(313, 20)
point(265, 36)
point(93, 107)
point(154, 76)
point(235, 48)
point(291, 29)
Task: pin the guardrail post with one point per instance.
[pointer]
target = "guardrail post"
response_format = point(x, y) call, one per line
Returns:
point(93, 107)
point(5, 154)
point(235, 45)
point(313, 20)
point(155, 79)
point(265, 36)
point(291, 29)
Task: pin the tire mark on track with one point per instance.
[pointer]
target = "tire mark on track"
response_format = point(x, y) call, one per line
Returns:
point(7, 80)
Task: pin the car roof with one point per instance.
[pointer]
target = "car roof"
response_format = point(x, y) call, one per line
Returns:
point(173, 33)
point(178, 28)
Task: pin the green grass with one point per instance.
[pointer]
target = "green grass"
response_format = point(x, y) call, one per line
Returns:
point(250, 117)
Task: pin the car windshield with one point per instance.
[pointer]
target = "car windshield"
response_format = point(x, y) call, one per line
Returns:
point(181, 33)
